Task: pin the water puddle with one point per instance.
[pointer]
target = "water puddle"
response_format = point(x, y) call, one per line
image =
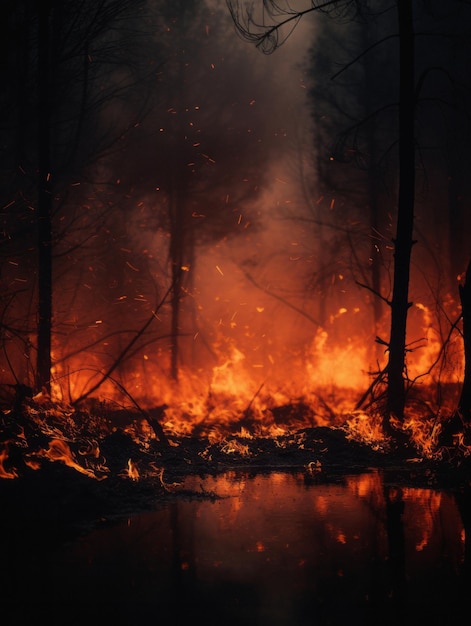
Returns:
point(271, 550)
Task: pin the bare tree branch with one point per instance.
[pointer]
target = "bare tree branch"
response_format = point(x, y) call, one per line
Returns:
point(268, 37)
point(125, 350)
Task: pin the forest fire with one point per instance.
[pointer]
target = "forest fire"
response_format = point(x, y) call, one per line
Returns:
point(258, 369)
point(218, 277)
point(235, 312)
point(228, 409)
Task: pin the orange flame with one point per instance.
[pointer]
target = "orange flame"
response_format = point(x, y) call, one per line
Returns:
point(59, 450)
point(133, 472)
point(250, 371)
point(4, 473)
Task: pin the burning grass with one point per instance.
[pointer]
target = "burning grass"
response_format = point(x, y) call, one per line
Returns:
point(68, 472)
point(101, 440)
point(76, 466)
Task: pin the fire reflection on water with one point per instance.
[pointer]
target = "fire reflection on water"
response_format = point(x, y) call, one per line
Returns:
point(269, 549)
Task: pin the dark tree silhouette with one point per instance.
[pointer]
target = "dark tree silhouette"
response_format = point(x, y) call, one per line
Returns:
point(55, 65)
point(268, 39)
point(268, 27)
point(405, 215)
point(205, 161)
point(465, 399)
point(351, 164)
point(44, 209)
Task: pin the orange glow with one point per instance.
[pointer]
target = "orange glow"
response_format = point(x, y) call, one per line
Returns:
point(250, 358)
point(341, 537)
point(258, 358)
point(133, 472)
point(32, 463)
point(366, 427)
point(430, 504)
point(4, 473)
point(59, 450)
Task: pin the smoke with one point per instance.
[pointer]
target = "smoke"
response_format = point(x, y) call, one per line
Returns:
point(222, 139)
point(215, 186)
point(205, 183)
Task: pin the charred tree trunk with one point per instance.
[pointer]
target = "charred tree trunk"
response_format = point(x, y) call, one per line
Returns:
point(180, 227)
point(465, 399)
point(396, 392)
point(456, 212)
point(176, 260)
point(44, 208)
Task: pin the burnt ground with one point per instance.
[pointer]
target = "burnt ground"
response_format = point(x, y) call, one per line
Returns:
point(48, 506)
point(58, 499)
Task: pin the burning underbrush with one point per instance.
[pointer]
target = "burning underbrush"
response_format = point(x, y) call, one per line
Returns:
point(102, 440)
point(69, 467)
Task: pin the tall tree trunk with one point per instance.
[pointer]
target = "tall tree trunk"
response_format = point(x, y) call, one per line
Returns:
point(396, 396)
point(177, 243)
point(457, 207)
point(44, 208)
point(180, 239)
point(465, 399)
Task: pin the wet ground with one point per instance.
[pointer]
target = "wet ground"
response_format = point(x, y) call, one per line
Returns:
point(311, 527)
point(243, 546)
point(65, 500)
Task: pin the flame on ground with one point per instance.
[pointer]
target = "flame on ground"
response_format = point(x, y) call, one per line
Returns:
point(253, 390)
point(59, 450)
point(132, 472)
point(4, 473)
